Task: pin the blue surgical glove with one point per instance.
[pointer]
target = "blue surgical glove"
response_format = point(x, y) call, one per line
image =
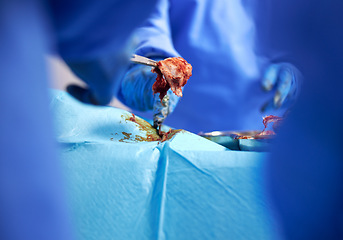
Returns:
point(286, 79)
point(102, 77)
point(136, 93)
point(101, 73)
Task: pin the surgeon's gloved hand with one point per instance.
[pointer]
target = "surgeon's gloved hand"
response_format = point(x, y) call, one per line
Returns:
point(102, 77)
point(286, 79)
point(136, 93)
point(102, 73)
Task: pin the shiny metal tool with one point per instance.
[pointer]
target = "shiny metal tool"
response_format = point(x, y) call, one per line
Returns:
point(160, 107)
point(143, 60)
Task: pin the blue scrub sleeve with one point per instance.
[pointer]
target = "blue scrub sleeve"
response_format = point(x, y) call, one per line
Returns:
point(93, 39)
point(154, 36)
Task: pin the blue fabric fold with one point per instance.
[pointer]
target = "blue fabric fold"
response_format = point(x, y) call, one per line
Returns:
point(184, 188)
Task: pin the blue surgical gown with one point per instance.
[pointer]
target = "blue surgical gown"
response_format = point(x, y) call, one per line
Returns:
point(304, 173)
point(217, 38)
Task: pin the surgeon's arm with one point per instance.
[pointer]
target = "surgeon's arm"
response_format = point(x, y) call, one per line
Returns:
point(154, 41)
point(92, 37)
point(154, 36)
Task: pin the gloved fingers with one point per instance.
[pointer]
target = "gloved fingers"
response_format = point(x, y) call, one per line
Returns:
point(283, 92)
point(288, 85)
point(136, 88)
point(287, 80)
point(82, 94)
point(283, 87)
point(270, 77)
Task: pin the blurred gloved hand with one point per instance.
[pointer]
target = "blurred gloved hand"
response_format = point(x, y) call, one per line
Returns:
point(286, 80)
point(136, 92)
point(102, 74)
point(102, 77)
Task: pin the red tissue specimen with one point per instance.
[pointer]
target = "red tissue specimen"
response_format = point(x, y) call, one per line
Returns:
point(171, 73)
point(266, 120)
point(265, 133)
